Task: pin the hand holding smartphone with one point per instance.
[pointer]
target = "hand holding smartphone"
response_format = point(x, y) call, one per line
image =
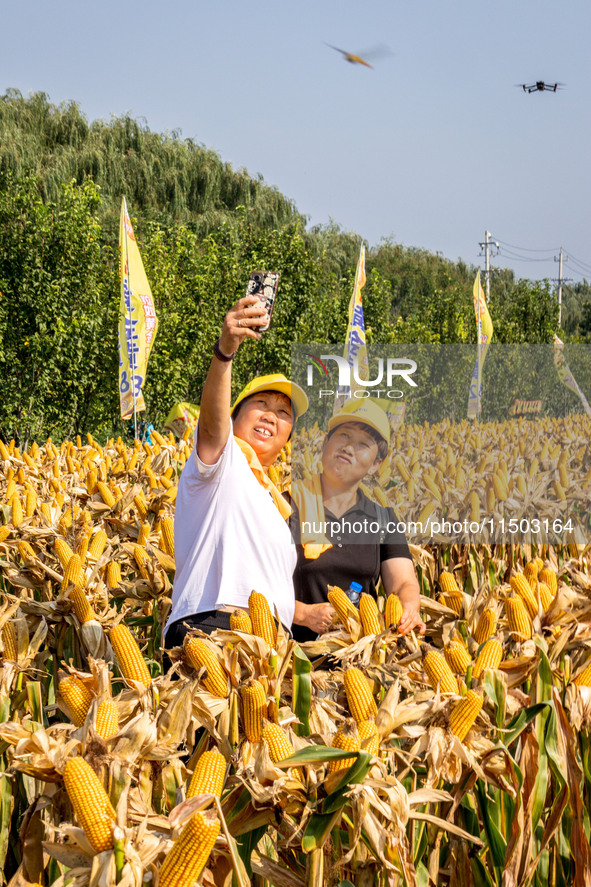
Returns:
point(264, 285)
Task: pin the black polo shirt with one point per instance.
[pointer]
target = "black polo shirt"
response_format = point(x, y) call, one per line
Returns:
point(355, 556)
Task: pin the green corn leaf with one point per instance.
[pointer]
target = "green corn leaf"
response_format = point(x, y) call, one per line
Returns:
point(318, 829)
point(353, 776)
point(316, 754)
point(520, 721)
point(302, 690)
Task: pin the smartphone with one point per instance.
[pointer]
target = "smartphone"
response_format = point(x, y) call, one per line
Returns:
point(264, 285)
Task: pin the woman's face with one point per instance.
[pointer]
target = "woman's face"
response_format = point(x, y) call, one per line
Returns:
point(349, 454)
point(264, 421)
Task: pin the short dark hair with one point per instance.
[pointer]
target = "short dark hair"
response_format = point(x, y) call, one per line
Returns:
point(382, 444)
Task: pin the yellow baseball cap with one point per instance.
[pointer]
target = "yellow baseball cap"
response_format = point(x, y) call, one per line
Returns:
point(366, 411)
point(276, 382)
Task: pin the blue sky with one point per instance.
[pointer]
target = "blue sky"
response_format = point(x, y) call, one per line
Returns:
point(431, 148)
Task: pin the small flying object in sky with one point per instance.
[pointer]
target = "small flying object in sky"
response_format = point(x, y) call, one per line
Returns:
point(540, 86)
point(373, 54)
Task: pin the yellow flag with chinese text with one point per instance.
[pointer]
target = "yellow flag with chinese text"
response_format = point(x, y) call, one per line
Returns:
point(355, 351)
point(484, 329)
point(138, 323)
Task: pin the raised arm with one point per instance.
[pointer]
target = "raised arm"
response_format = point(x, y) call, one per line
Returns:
point(213, 429)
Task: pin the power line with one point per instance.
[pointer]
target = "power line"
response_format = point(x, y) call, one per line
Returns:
point(527, 249)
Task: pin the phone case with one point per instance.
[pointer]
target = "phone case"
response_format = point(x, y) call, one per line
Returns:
point(264, 285)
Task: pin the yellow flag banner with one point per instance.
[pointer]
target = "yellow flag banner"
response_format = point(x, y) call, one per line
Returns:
point(355, 352)
point(182, 416)
point(137, 321)
point(565, 375)
point(484, 329)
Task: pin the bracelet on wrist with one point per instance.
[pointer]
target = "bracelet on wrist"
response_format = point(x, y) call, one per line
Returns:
point(225, 358)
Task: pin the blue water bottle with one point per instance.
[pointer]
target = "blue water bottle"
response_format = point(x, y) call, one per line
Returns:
point(354, 592)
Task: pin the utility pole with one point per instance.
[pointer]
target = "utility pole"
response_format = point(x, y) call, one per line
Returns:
point(560, 281)
point(487, 245)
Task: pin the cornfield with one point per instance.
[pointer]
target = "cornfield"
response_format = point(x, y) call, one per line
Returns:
point(362, 758)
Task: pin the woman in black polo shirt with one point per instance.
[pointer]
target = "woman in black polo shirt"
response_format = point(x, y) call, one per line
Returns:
point(342, 536)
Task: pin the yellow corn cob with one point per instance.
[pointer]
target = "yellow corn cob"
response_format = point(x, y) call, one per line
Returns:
point(439, 672)
point(347, 739)
point(4, 454)
point(132, 461)
point(448, 583)
point(546, 597)
point(77, 697)
point(426, 514)
point(167, 535)
point(280, 747)
point(370, 615)
point(521, 587)
point(209, 775)
point(393, 613)
point(82, 609)
point(129, 657)
point(98, 544)
point(30, 503)
point(142, 560)
point(82, 549)
point(201, 655)
point(464, 713)
point(91, 803)
point(518, 618)
point(91, 481)
point(63, 552)
point(106, 494)
point(190, 852)
point(486, 625)
point(46, 511)
point(500, 486)
point(107, 719)
point(548, 576)
point(254, 709)
point(540, 564)
point(9, 642)
point(474, 506)
point(240, 621)
point(143, 535)
point(73, 574)
point(273, 475)
point(490, 656)
point(263, 623)
point(530, 571)
point(141, 506)
point(457, 657)
point(4, 533)
point(369, 737)
point(17, 511)
point(10, 490)
point(360, 699)
point(583, 679)
point(113, 575)
point(25, 550)
point(342, 604)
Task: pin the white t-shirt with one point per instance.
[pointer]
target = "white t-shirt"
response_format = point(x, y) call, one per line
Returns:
point(229, 539)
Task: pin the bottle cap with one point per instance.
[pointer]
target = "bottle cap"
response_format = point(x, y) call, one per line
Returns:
point(356, 586)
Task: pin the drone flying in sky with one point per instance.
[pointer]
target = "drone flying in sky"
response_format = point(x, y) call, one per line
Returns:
point(540, 86)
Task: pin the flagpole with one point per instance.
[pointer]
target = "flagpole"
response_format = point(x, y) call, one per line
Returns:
point(128, 302)
point(479, 337)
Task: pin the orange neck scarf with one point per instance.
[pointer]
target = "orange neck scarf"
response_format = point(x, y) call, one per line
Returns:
point(263, 479)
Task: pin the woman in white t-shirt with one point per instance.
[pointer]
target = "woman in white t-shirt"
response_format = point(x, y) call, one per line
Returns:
point(231, 534)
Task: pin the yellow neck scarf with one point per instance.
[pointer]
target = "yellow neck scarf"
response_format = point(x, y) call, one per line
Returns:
point(263, 479)
point(307, 495)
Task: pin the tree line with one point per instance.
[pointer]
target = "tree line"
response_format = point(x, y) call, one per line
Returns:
point(202, 227)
